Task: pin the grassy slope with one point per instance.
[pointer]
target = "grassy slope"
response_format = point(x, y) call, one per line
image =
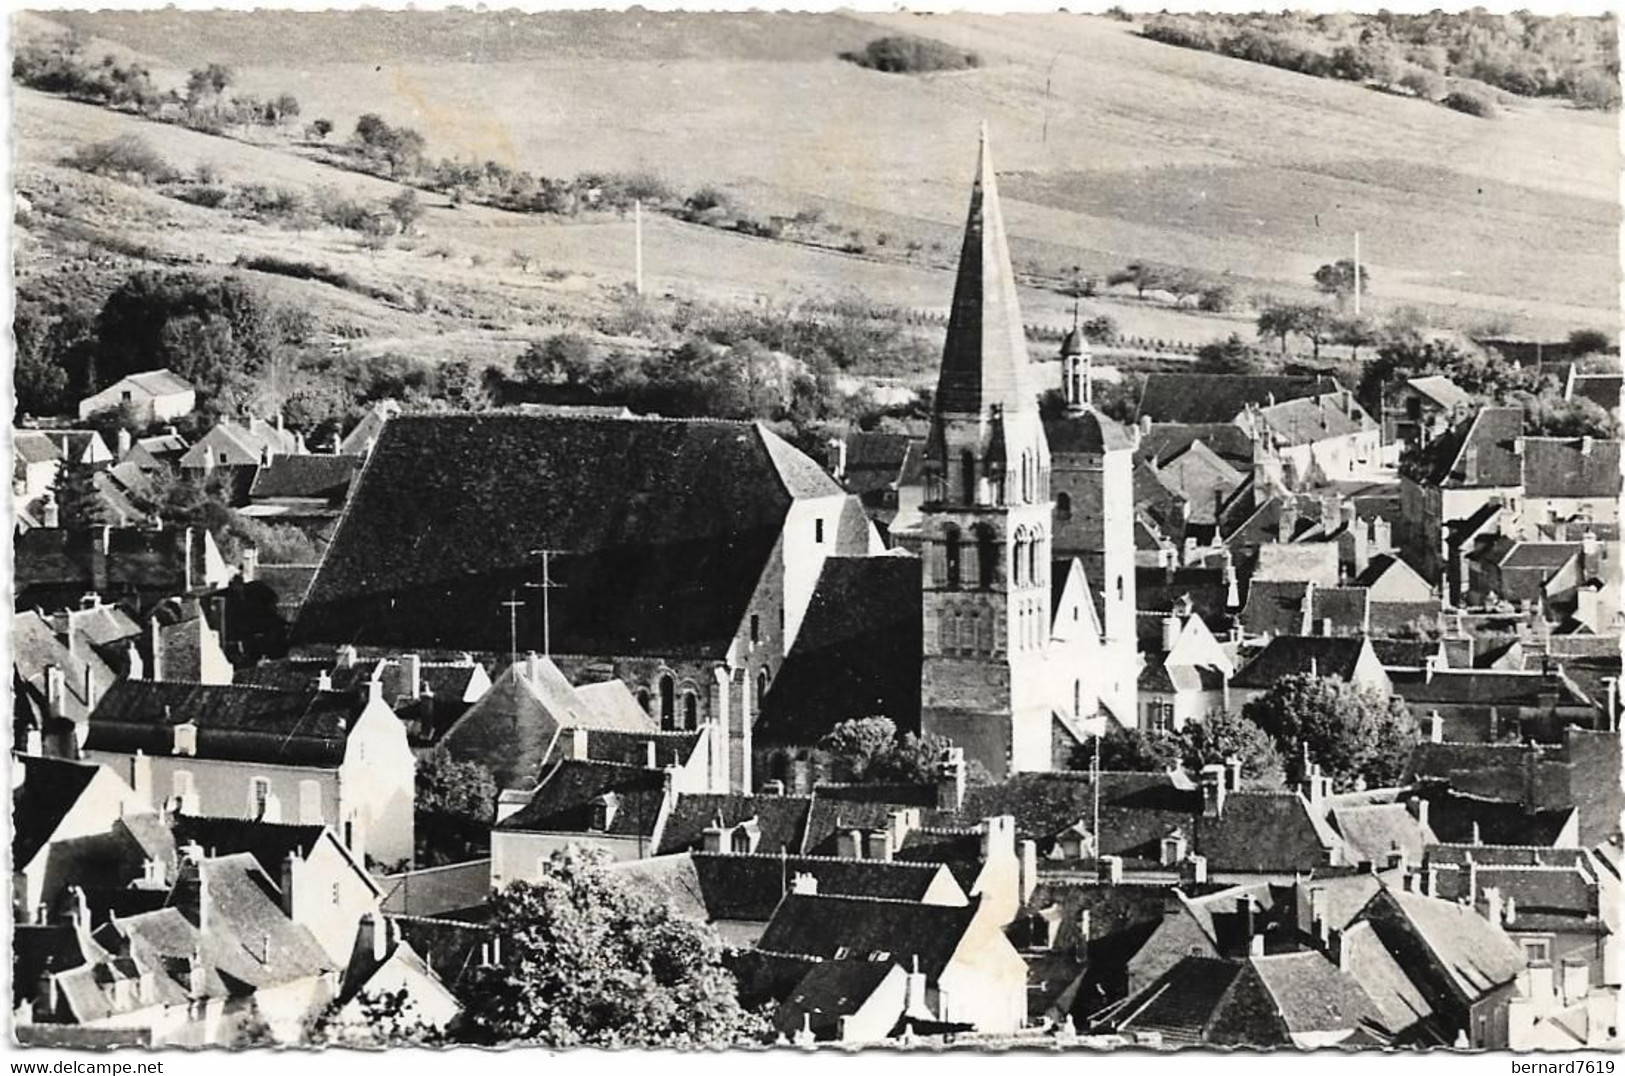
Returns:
point(1150, 152)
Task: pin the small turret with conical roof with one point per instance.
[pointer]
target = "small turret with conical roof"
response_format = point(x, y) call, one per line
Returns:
point(1077, 369)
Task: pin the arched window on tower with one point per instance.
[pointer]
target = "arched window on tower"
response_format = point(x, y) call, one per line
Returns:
point(1026, 478)
point(1119, 588)
point(1019, 560)
point(1063, 506)
point(761, 688)
point(967, 476)
point(691, 711)
point(969, 630)
point(668, 700)
point(984, 633)
point(951, 555)
point(1077, 698)
point(987, 555)
point(947, 633)
point(1035, 575)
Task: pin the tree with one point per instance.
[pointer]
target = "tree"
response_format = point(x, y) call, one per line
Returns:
point(39, 376)
point(1228, 356)
point(1279, 320)
point(857, 745)
point(1589, 342)
point(1337, 279)
point(1217, 298)
point(390, 1018)
point(1350, 730)
point(406, 208)
point(1315, 323)
point(1355, 333)
point(208, 83)
point(1142, 276)
point(283, 107)
point(588, 960)
point(1129, 750)
point(1549, 415)
point(1222, 736)
point(456, 802)
point(321, 128)
point(78, 501)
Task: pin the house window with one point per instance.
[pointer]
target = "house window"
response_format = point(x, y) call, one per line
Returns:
point(126, 396)
point(180, 785)
point(1119, 588)
point(1159, 715)
point(755, 628)
point(1020, 562)
point(1536, 950)
point(1063, 506)
point(224, 458)
point(818, 530)
point(259, 795)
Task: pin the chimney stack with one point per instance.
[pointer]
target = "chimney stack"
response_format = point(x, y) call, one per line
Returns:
point(950, 780)
point(1213, 781)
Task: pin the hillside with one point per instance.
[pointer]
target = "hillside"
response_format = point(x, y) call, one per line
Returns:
point(1135, 150)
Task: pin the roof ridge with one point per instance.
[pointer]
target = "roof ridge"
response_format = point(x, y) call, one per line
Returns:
point(776, 857)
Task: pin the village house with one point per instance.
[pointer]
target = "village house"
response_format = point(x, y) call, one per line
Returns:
point(261, 754)
point(1315, 439)
point(246, 445)
point(133, 567)
point(54, 803)
point(1419, 409)
point(1186, 676)
point(151, 396)
point(885, 472)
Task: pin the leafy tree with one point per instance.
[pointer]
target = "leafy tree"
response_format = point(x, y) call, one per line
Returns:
point(1549, 415)
point(1228, 356)
point(321, 128)
point(39, 375)
point(1317, 325)
point(78, 501)
point(1337, 279)
point(1222, 736)
point(1101, 329)
point(1349, 730)
point(1217, 298)
point(1129, 750)
point(282, 108)
point(406, 208)
point(1355, 333)
point(208, 83)
point(857, 745)
point(566, 358)
point(587, 960)
point(1589, 341)
point(1279, 320)
point(1142, 276)
point(456, 803)
point(386, 1019)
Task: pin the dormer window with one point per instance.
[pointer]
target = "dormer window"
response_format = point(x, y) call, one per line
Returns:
point(185, 739)
point(603, 812)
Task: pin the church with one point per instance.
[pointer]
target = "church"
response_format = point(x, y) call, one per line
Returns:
point(1028, 611)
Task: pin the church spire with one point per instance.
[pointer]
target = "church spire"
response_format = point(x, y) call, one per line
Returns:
point(984, 361)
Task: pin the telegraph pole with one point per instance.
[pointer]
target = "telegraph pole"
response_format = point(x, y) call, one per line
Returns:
point(1356, 274)
point(513, 605)
point(546, 586)
point(637, 244)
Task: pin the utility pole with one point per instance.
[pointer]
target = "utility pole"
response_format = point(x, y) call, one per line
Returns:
point(1356, 274)
point(546, 586)
point(1095, 784)
point(637, 244)
point(513, 605)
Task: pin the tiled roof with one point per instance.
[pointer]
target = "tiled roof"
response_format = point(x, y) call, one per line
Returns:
point(250, 724)
point(1090, 433)
point(308, 477)
point(1390, 618)
point(270, 843)
point(829, 991)
point(1370, 834)
point(1540, 555)
point(610, 705)
point(1601, 389)
point(1290, 655)
point(864, 619)
point(160, 382)
point(511, 729)
point(749, 887)
point(442, 527)
point(1311, 994)
point(782, 820)
point(633, 748)
point(1183, 1002)
point(1167, 441)
point(1441, 390)
point(836, 928)
point(564, 801)
point(31, 446)
point(1492, 687)
point(1562, 467)
point(1214, 398)
point(55, 567)
point(49, 788)
point(1404, 653)
point(1264, 832)
point(1307, 420)
point(1477, 956)
point(1458, 818)
point(1275, 607)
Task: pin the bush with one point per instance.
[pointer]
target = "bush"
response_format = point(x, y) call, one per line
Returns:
point(1595, 90)
point(1472, 102)
point(124, 156)
point(207, 197)
point(1589, 342)
point(1217, 298)
point(1423, 83)
point(299, 271)
point(905, 54)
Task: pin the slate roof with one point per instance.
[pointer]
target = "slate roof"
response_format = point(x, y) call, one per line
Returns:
point(325, 478)
point(1483, 687)
point(1275, 607)
point(1213, 398)
point(1371, 833)
point(237, 723)
point(49, 789)
point(1544, 898)
point(835, 928)
point(1183, 1001)
point(663, 538)
point(270, 843)
point(1601, 389)
point(1264, 832)
point(1404, 653)
point(864, 619)
point(1559, 467)
point(1156, 592)
point(749, 886)
point(1540, 555)
point(1309, 419)
point(1452, 817)
point(1491, 436)
point(55, 566)
point(161, 382)
point(830, 990)
point(1289, 655)
point(984, 354)
point(877, 462)
point(782, 820)
point(632, 748)
point(32, 446)
point(563, 801)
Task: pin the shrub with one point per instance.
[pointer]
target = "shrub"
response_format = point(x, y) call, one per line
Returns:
point(1595, 90)
point(904, 54)
point(1472, 102)
point(299, 270)
point(1423, 83)
point(207, 197)
point(127, 156)
point(1217, 298)
point(1590, 342)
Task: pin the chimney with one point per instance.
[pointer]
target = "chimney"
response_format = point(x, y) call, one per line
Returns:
point(1586, 444)
point(55, 690)
point(849, 844)
point(1541, 986)
point(651, 755)
point(804, 884)
point(1509, 911)
point(1325, 625)
point(50, 513)
point(250, 564)
point(290, 879)
point(346, 656)
point(1430, 665)
point(801, 776)
point(1318, 926)
point(1194, 870)
point(1477, 839)
point(375, 690)
point(837, 458)
point(412, 672)
point(1492, 905)
point(1435, 727)
point(1418, 808)
point(1145, 425)
point(1111, 870)
point(877, 845)
point(950, 780)
point(1317, 787)
point(1174, 848)
point(1212, 790)
point(1249, 923)
point(123, 442)
point(324, 681)
point(533, 666)
point(1170, 633)
point(1232, 768)
point(578, 743)
point(1028, 854)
